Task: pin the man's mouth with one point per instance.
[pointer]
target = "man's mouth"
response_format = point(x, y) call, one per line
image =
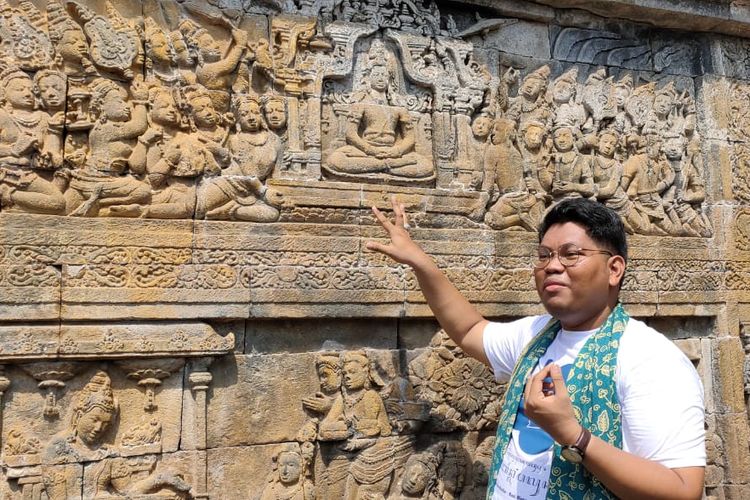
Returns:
point(553, 285)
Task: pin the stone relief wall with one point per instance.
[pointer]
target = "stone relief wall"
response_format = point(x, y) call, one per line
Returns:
point(186, 306)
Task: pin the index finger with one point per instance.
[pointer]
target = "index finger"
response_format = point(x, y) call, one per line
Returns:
point(382, 219)
point(535, 385)
point(398, 211)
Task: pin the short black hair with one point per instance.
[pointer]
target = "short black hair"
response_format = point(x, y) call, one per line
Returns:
point(602, 224)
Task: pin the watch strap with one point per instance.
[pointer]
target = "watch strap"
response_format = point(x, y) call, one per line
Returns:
point(584, 438)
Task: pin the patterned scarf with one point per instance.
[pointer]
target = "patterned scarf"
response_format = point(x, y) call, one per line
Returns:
point(593, 392)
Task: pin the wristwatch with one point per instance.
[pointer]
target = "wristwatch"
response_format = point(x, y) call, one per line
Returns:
point(574, 453)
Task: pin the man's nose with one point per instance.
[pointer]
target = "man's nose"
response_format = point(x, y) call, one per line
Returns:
point(554, 265)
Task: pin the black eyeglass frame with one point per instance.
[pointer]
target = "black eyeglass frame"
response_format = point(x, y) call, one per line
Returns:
point(538, 263)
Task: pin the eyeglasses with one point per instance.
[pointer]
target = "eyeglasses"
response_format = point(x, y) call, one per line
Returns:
point(568, 254)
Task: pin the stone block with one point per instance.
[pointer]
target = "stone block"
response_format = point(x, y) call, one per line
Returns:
point(737, 492)
point(416, 333)
point(729, 361)
point(716, 102)
point(683, 55)
point(731, 57)
point(734, 431)
point(691, 348)
point(228, 471)
point(518, 37)
point(622, 46)
point(300, 335)
point(261, 388)
point(154, 291)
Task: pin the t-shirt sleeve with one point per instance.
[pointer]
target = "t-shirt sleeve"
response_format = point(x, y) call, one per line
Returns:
point(662, 405)
point(503, 343)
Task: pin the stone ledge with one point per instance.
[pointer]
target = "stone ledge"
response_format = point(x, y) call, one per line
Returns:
point(705, 16)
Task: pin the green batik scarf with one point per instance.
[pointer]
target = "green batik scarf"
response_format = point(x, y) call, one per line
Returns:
point(593, 392)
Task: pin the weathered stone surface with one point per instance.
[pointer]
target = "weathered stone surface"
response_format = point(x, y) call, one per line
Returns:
point(185, 193)
point(267, 336)
point(733, 428)
point(518, 37)
point(730, 360)
point(259, 387)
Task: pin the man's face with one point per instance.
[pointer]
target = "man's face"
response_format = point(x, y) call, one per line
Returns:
point(621, 95)
point(159, 48)
point(481, 127)
point(578, 296)
point(249, 116)
point(673, 148)
point(204, 113)
point(72, 45)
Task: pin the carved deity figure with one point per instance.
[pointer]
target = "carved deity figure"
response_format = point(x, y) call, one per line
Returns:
point(658, 120)
point(358, 415)
point(30, 144)
point(176, 154)
point(328, 367)
point(571, 170)
point(688, 191)
point(215, 70)
point(520, 198)
point(161, 57)
point(289, 479)
point(50, 87)
point(240, 192)
point(471, 171)
point(452, 470)
point(530, 103)
point(566, 111)
point(623, 122)
point(103, 186)
point(419, 479)
point(359, 410)
point(607, 172)
point(646, 178)
point(158, 153)
point(380, 137)
point(94, 411)
point(69, 41)
point(275, 113)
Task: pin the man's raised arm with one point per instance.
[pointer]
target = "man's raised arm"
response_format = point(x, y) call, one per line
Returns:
point(461, 321)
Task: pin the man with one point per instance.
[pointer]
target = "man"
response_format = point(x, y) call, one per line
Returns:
point(614, 397)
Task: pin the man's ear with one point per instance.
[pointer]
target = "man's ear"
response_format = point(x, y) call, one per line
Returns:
point(616, 270)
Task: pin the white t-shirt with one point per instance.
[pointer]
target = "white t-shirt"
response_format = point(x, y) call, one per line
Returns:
point(660, 395)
